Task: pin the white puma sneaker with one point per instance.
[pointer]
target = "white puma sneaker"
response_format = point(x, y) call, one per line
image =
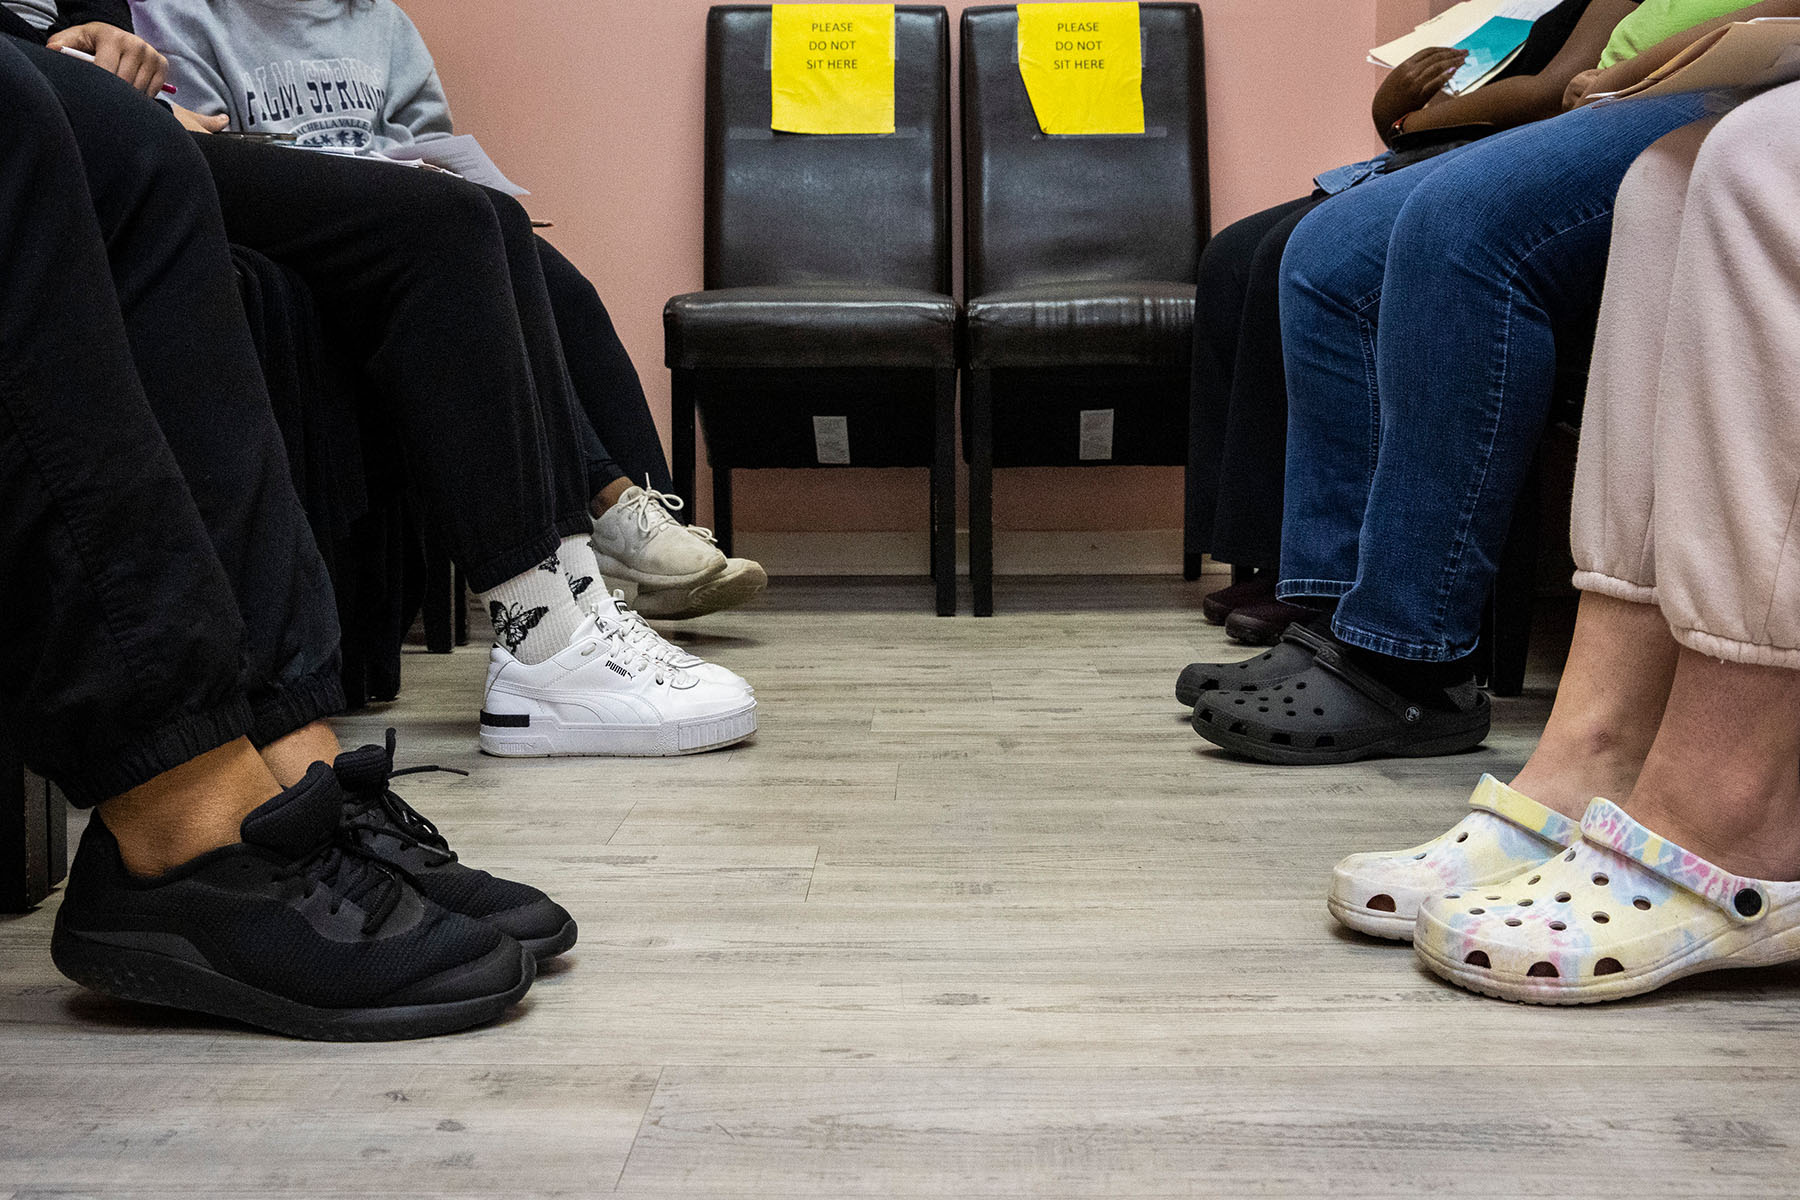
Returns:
point(637, 631)
point(672, 571)
point(603, 695)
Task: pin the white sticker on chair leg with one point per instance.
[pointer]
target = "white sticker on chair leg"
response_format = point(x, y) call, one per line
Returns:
point(831, 436)
point(1096, 434)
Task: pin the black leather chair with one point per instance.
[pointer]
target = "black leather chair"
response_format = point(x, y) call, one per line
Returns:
point(34, 848)
point(1080, 256)
point(826, 335)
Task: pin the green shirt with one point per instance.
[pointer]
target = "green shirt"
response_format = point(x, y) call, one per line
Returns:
point(1658, 20)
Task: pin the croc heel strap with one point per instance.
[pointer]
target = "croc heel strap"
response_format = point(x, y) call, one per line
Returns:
point(1503, 833)
point(1742, 900)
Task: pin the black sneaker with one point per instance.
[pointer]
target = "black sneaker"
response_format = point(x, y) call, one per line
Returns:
point(296, 929)
point(390, 829)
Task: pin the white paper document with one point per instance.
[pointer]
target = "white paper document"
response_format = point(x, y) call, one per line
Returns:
point(461, 154)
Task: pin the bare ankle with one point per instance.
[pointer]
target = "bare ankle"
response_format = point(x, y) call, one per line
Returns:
point(1572, 765)
point(1748, 826)
point(190, 810)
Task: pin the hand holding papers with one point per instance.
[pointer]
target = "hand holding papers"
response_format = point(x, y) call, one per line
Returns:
point(1492, 31)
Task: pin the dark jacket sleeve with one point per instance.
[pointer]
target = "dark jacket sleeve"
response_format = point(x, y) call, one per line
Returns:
point(80, 12)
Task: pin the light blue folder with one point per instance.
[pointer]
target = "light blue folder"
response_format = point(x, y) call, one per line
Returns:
point(1488, 48)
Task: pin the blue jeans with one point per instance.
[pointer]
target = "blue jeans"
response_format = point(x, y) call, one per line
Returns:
point(1418, 319)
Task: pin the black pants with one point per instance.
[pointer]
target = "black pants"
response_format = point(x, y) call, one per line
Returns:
point(620, 435)
point(435, 287)
point(1237, 440)
point(164, 594)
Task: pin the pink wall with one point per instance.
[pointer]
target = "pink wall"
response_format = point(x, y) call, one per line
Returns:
point(596, 106)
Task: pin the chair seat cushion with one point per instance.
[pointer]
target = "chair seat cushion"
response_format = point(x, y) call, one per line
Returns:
point(822, 325)
point(1095, 323)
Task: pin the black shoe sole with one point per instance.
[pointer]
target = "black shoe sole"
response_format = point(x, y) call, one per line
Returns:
point(1433, 744)
point(546, 948)
point(145, 977)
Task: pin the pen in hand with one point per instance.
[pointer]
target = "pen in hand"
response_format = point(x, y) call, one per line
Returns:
point(169, 89)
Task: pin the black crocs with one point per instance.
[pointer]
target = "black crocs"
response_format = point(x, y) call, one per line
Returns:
point(1334, 712)
point(1290, 655)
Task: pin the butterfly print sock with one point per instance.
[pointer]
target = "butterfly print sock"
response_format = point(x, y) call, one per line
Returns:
point(535, 614)
point(582, 570)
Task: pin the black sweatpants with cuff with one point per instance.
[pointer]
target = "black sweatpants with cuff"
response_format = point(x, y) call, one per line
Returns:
point(164, 594)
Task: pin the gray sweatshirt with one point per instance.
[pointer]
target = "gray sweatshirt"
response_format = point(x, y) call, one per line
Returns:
point(338, 74)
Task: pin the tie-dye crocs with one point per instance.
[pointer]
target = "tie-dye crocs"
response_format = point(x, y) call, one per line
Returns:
point(1621, 913)
point(1507, 832)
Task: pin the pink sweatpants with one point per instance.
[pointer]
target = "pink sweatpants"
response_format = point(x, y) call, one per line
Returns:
point(1687, 494)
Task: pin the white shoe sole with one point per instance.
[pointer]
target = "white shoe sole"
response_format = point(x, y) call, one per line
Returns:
point(1371, 921)
point(543, 736)
point(740, 582)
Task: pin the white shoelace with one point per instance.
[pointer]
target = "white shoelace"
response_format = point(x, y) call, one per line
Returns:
point(653, 508)
point(623, 648)
point(637, 631)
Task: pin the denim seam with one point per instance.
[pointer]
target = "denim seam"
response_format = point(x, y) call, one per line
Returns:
point(1466, 518)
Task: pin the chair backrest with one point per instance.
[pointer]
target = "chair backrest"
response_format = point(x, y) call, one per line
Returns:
point(799, 208)
point(1041, 209)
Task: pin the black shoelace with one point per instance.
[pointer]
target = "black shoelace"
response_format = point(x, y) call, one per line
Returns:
point(388, 815)
point(344, 867)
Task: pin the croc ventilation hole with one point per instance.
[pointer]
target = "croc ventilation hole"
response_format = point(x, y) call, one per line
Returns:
point(1748, 902)
point(1477, 958)
point(1608, 966)
point(1318, 712)
point(1544, 970)
point(1476, 912)
point(1569, 857)
point(1641, 903)
point(1453, 895)
point(1533, 880)
point(1525, 903)
point(1601, 918)
point(1417, 857)
point(1493, 897)
point(1299, 687)
point(1601, 880)
point(1462, 837)
point(1325, 740)
point(1514, 922)
point(1382, 903)
point(1558, 926)
point(1563, 897)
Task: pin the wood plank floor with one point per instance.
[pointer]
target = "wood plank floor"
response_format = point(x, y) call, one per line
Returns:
point(975, 915)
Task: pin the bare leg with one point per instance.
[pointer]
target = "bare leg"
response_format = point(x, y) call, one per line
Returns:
point(1621, 666)
point(197, 807)
point(1723, 779)
point(290, 757)
point(609, 496)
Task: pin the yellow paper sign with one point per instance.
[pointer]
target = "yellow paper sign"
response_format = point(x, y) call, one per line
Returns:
point(1083, 66)
point(832, 68)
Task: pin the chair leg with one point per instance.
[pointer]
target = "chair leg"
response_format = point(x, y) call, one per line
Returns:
point(34, 852)
point(1241, 573)
point(440, 620)
point(1192, 566)
point(459, 596)
point(682, 452)
point(1515, 590)
point(980, 397)
point(943, 495)
point(721, 481)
